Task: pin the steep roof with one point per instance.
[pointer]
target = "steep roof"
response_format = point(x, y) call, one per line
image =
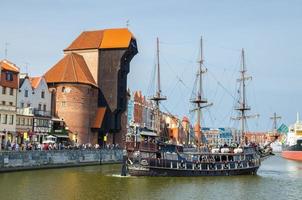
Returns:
point(9, 66)
point(34, 81)
point(21, 81)
point(102, 39)
point(70, 69)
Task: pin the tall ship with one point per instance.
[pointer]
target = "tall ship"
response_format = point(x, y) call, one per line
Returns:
point(292, 149)
point(148, 154)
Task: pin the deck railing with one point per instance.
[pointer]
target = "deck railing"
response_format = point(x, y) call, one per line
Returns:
point(141, 146)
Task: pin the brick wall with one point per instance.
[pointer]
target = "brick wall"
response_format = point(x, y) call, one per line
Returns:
point(76, 104)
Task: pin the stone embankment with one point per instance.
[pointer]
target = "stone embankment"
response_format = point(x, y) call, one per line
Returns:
point(28, 160)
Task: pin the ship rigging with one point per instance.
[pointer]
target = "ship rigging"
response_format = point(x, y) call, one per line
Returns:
point(242, 106)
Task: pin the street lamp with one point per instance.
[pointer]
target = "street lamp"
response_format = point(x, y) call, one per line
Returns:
point(5, 139)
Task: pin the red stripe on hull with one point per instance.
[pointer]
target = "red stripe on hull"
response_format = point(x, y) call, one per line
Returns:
point(292, 155)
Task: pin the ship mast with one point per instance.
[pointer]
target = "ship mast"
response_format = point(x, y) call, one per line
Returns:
point(275, 118)
point(199, 101)
point(157, 97)
point(243, 107)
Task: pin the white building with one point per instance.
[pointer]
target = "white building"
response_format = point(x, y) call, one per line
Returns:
point(9, 82)
point(34, 108)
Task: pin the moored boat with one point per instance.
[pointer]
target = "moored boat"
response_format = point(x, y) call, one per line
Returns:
point(292, 149)
point(151, 156)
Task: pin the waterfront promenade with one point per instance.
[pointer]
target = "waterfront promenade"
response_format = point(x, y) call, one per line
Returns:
point(41, 159)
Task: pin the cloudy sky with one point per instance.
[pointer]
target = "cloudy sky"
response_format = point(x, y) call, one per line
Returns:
point(269, 31)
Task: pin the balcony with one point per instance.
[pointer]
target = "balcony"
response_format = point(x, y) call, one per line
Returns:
point(25, 111)
point(8, 108)
point(42, 113)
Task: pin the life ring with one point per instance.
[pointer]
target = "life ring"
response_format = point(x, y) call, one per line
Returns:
point(212, 165)
point(144, 162)
point(225, 166)
point(182, 165)
point(197, 166)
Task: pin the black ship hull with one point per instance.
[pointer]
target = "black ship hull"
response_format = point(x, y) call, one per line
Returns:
point(177, 168)
point(169, 161)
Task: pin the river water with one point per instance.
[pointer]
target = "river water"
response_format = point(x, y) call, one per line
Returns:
point(277, 179)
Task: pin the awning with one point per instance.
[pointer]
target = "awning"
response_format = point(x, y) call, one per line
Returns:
point(61, 136)
point(57, 119)
point(41, 134)
point(99, 117)
point(148, 133)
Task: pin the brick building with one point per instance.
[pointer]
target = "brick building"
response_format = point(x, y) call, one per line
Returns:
point(74, 96)
point(256, 137)
point(141, 110)
point(90, 84)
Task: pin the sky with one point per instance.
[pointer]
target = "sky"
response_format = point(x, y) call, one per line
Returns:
point(36, 32)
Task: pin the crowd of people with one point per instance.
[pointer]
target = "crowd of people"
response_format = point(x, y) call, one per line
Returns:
point(11, 146)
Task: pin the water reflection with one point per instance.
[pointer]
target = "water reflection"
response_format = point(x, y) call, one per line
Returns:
point(276, 179)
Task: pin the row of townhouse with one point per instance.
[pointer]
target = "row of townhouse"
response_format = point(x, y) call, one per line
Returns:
point(141, 112)
point(219, 136)
point(81, 99)
point(25, 105)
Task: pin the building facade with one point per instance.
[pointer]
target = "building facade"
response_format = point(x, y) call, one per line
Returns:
point(141, 111)
point(74, 98)
point(9, 82)
point(34, 109)
point(107, 54)
point(256, 137)
point(219, 136)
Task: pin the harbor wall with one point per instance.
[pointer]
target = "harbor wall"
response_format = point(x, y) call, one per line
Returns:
point(28, 160)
